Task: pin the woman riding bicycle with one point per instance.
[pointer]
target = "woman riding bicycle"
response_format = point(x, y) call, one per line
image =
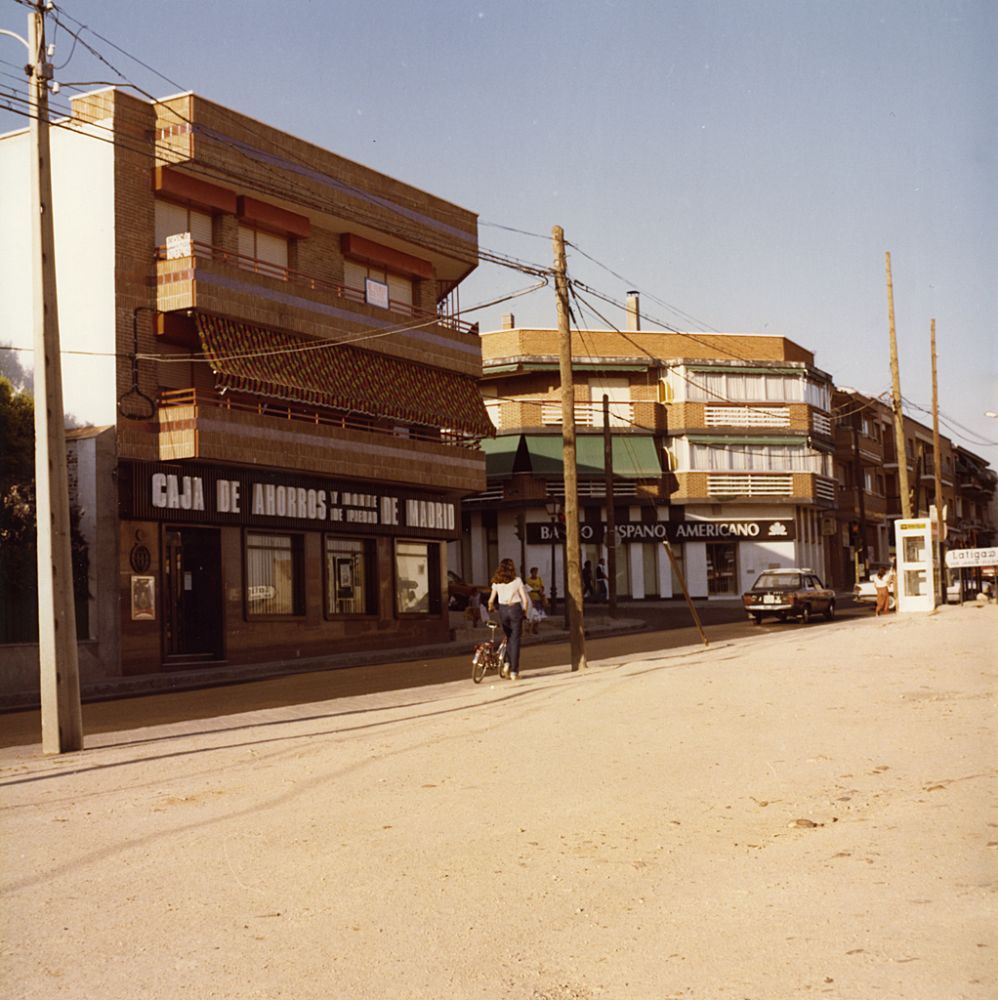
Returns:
point(509, 591)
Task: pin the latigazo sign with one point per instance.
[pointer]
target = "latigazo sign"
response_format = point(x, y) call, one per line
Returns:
point(777, 530)
point(971, 558)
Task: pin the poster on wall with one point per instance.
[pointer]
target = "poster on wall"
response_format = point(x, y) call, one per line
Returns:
point(143, 598)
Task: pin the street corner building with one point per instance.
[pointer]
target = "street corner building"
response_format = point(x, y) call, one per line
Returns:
point(271, 333)
point(721, 444)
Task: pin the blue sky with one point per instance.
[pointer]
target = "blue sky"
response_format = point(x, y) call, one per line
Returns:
point(745, 165)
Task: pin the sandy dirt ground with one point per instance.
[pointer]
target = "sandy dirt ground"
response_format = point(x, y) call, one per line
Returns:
point(809, 812)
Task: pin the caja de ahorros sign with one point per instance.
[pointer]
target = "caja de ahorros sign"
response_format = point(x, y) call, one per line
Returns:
point(739, 530)
point(221, 495)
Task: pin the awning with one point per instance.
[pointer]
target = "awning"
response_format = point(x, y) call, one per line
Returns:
point(634, 456)
point(748, 439)
point(500, 453)
point(277, 365)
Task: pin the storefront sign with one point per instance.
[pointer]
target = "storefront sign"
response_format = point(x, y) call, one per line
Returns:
point(672, 531)
point(220, 495)
point(968, 558)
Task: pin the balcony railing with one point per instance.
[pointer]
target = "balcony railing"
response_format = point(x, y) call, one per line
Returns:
point(299, 279)
point(746, 416)
point(589, 414)
point(821, 424)
point(298, 413)
point(751, 485)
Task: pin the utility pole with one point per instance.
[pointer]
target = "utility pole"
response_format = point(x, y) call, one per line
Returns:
point(937, 470)
point(902, 454)
point(611, 524)
point(62, 724)
point(573, 571)
point(860, 473)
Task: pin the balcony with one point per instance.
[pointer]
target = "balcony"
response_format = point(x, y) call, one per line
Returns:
point(192, 424)
point(795, 417)
point(778, 487)
point(528, 415)
point(217, 280)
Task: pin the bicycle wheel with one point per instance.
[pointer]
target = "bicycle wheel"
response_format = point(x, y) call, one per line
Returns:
point(480, 662)
point(501, 657)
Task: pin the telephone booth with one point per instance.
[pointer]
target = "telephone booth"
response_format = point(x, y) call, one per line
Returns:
point(915, 585)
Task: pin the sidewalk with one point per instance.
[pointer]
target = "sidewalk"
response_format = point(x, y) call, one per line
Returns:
point(802, 811)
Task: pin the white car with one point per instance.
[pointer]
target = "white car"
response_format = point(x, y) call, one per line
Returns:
point(865, 593)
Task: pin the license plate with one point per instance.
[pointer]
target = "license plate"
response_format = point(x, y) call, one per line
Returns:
point(770, 599)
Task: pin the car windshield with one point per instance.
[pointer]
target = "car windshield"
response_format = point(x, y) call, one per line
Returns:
point(777, 581)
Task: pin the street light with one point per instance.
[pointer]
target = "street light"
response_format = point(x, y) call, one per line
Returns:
point(553, 508)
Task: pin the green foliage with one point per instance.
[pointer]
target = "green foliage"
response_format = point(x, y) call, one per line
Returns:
point(18, 542)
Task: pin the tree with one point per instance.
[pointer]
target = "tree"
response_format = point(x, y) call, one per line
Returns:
point(18, 548)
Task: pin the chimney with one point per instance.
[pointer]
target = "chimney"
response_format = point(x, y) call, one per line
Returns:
point(633, 311)
point(509, 322)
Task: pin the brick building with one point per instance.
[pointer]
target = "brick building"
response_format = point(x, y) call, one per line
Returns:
point(720, 442)
point(869, 498)
point(272, 332)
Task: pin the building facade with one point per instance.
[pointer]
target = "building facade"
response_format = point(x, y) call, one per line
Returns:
point(272, 332)
point(720, 443)
point(868, 483)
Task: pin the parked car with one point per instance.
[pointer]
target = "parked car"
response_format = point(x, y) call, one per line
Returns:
point(788, 593)
point(459, 592)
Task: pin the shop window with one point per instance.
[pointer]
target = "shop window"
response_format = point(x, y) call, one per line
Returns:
point(263, 252)
point(378, 287)
point(171, 219)
point(351, 577)
point(274, 575)
point(417, 578)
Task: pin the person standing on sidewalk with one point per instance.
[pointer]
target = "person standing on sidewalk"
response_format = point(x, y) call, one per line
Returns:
point(509, 591)
point(882, 582)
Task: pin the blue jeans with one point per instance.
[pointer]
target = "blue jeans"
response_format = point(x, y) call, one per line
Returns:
point(511, 617)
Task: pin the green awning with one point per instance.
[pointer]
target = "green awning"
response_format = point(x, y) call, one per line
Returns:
point(634, 456)
point(747, 439)
point(728, 369)
point(500, 453)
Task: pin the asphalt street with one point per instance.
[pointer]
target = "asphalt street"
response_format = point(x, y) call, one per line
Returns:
point(667, 625)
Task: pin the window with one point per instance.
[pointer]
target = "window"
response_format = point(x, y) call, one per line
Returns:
point(274, 577)
point(721, 568)
point(351, 577)
point(356, 277)
point(417, 578)
point(171, 219)
point(263, 252)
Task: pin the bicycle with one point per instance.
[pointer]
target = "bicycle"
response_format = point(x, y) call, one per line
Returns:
point(488, 655)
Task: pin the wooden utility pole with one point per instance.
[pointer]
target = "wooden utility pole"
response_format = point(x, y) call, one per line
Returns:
point(902, 453)
point(678, 570)
point(937, 468)
point(62, 723)
point(611, 524)
point(573, 551)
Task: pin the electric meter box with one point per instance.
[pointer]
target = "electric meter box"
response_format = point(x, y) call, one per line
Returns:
point(915, 587)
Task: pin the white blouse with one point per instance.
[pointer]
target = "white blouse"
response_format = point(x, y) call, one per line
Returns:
point(509, 593)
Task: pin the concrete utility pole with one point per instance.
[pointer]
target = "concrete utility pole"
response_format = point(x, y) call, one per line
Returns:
point(62, 723)
point(902, 454)
point(938, 474)
point(573, 551)
point(611, 524)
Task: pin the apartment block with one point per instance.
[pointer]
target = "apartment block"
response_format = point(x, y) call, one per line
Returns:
point(721, 443)
point(271, 330)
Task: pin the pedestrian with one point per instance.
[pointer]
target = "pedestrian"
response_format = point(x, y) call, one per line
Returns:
point(883, 581)
point(508, 590)
point(602, 581)
point(538, 602)
point(587, 578)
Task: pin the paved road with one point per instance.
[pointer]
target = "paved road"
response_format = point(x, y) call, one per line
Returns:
point(667, 626)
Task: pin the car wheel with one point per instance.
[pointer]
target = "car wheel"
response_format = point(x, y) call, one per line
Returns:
point(805, 614)
point(782, 616)
point(830, 612)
